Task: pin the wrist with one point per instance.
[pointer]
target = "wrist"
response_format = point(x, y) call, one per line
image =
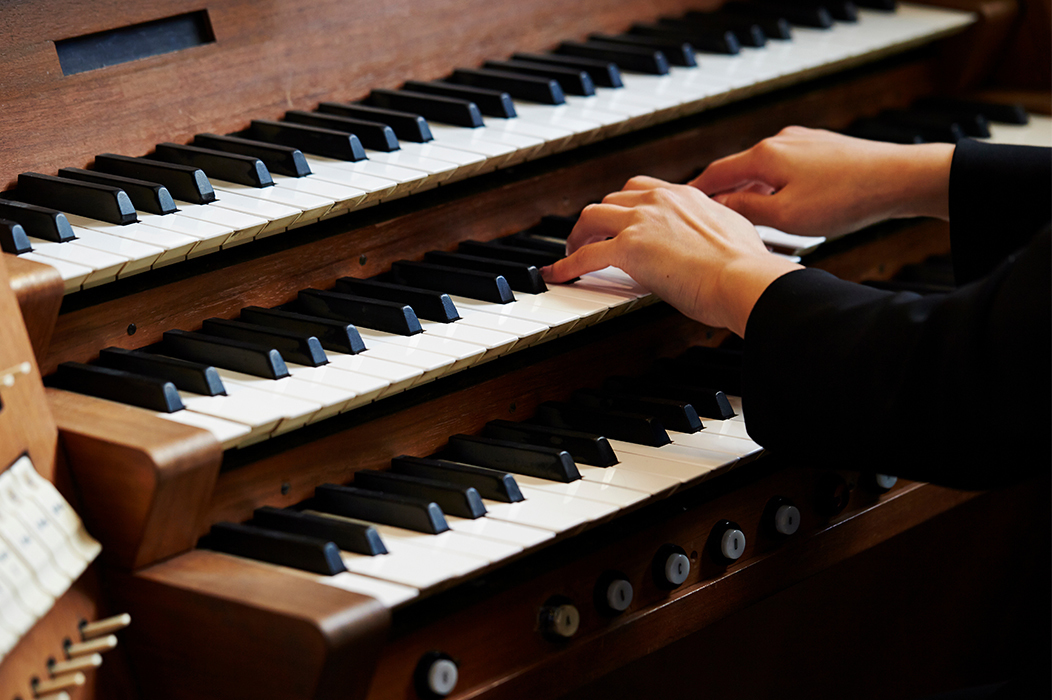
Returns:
point(742, 282)
point(922, 180)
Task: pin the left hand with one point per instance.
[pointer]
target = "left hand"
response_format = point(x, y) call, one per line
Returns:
point(701, 257)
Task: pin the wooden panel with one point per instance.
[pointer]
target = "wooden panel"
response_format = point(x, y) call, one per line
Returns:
point(39, 290)
point(273, 271)
point(213, 626)
point(25, 421)
point(143, 481)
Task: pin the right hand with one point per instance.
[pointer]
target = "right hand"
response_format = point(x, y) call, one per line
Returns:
point(817, 183)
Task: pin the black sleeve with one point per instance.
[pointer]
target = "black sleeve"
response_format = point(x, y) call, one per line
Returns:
point(999, 196)
point(953, 389)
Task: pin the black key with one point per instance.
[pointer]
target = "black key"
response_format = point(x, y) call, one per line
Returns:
point(116, 385)
point(626, 57)
point(520, 276)
point(876, 130)
point(932, 128)
point(184, 374)
point(678, 52)
point(285, 549)
point(374, 135)
point(587, 448)
point(722, 41)
point(542, 462)
point(573, 81)
point(630, 427)
point(1005, 113)
point(433, 306)
point(250, 358)
point(407, 126)
point(338, 336)
point(319, 141)
point(415, 514)
point(840, 10)
point(709, 403)
point(526, 239)
point(284, 160)
point(524, 87)
point(490, 483)
point(492, 103)
point(448, 110)
point(301, 348)
point(740, 24)
point(387, 316)
point(462, 501)
point(187, 183)
point(360, 538)
point(243, 170)
point(38, 222)
point(147, 196)
point(748, 33)
point(484, 286)
point(489, 249)
point(13, 238)
point(817, 17)
point(674, 415)
point(100, 202)
point(972, 124)
point(603, 73)
point(886, 5)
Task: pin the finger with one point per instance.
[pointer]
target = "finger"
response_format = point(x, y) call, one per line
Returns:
point(736, 172)
point(590, 258)
point(596, 223)
point(760, 209)
point(643, 182)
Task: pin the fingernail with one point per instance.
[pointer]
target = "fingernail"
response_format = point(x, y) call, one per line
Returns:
point(546, 273)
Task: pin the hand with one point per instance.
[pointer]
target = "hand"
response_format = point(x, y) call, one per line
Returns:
point(699, 256)
point(817, 183)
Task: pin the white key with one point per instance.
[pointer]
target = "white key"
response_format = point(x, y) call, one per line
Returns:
point(509, 147)
point(528, 332)
point(451, 541)
point(389, 594)
point(104, 266)
point(245, 225)
point(555, 138)
point(615, 301)
point(279, 216)
point(559, 321)
point(362, 387)
point(470, 163)
point(324, 401)
point(494, 342)
point(176, 246)
point(741, 447)
point(694, 464)
point(430, 364)
point(404, 180)
point(309, 207)
point(345, 197)
point(565, 117)
point(399, 376)
point(500, 530)
point(424, 351)
point(140, 256)
point(619, 475)
point(210, 237)
point(246, 407)
point(227, 433)
point(536, 513)
point(586, 508)
point(410, 567)
point(582, 489)
point(437, 171)
point(587, 311)
point(73, 274)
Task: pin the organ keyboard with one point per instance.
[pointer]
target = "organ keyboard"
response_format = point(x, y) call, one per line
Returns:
point(301, 322)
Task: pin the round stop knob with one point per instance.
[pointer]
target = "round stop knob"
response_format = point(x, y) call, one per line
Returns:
point(884, 482)
point(671, 566)
point(729, 540)
point(613, 593)
point(787, 519)
point(560, 619)
point(436, 675)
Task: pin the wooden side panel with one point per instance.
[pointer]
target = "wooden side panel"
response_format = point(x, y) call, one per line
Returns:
point(25, 421)
point(143, 481)
point(213, 626)
point(39, 290)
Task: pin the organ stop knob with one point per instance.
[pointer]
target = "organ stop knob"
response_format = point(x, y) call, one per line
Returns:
point(436, 675)
point(728, 541)
point(613, 593)
point(671, 566)
point(559, 619)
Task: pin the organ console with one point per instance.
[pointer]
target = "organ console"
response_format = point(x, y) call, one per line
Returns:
point(276, 264)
